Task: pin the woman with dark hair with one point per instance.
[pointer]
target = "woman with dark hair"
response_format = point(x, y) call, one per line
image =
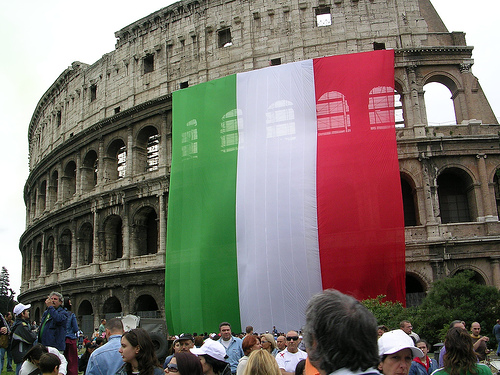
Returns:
point(460, 358)
point(183, 363)
point(211, 355)
point(396, 351)
point(138, 353)
point(249, 344)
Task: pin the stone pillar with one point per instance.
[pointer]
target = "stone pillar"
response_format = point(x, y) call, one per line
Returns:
point(43, 265)
point(129, 169)
point(96, 257)
point(495, 271)
point(74, 246)
point(162, 216)
point(78, 175)
point(100, 166)
point(489, 214)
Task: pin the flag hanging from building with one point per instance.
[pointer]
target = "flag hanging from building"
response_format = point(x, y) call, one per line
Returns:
point(284, 182)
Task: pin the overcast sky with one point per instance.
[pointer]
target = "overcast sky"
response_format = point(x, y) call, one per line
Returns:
point(39, 39)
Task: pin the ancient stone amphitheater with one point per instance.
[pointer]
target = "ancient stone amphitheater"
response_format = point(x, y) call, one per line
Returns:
point(100, 144)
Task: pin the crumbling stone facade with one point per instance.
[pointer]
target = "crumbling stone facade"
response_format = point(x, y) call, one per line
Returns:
point(100, 144)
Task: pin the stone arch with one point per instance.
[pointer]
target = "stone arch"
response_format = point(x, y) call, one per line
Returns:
point(69, 180)
point(146, 306)
point(37, 259)
point(333, 113)
point(113, 238)
point(53, 188)
point(42, 196)
point(36, 316)
point(64, 249)
point(111, 307)
point(49, 255)
point(415, 289)
point(496, 187)
point(381, 107)
point(452, 102)
point(86, 318)
point(115, 160)
point(145, 231)
point(146, 150)
point(456, 196)
point(85, 244)
point(85, 308)
point(409, 200)
point(89, 171)
point(479, 276)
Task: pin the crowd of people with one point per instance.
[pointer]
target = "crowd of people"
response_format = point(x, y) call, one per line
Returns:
point(340, 337)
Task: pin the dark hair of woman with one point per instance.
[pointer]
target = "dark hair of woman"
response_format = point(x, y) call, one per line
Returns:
point(248, 342)
point(188, 363)
point(459, 357)
point(217, 366)
point(35, 353)
point(146, 358)
point(301, 365)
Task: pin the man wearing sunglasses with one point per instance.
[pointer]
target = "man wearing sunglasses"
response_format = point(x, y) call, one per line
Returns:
point(288, 358)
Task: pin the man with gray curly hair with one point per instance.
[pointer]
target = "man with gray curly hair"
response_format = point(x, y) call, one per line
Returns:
point(341, 335)
point(53, 324)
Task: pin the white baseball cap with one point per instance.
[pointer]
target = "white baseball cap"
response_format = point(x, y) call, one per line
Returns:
point(394, 341)
point(212, 348)
point(19, 308)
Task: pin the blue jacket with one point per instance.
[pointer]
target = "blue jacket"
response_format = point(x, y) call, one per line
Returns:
point(53, 328)
point(71, 326)
point(106, 360)
point(234, 352)
point(418, 369)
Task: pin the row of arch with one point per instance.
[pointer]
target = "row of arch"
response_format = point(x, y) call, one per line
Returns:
point(74, 248)
point(97, 167)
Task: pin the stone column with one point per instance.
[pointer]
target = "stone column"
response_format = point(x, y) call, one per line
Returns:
point(129, 169)
point(162, 216)
point(489, 214)
point(495, 271)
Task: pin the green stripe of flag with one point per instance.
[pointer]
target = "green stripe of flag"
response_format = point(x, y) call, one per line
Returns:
point(201, 287)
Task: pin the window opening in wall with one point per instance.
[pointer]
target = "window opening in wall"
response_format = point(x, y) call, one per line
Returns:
point(398, 110)
point(323, 17)
point(496, 185)
point(93, 93)
point(184, 84)
point(378, 46)
point(439, 105)
point(224, 36)
point(58, 118)
point(122, 161)
point(276, 61)
point(117, 110)
point(153, 155)
point(149, 64)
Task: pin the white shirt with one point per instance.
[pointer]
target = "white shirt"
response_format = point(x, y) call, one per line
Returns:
point(27, 367)
point(288, 361)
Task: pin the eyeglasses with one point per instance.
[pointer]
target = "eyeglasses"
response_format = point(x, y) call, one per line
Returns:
point(172, 368)
point(294, 338)
point(264, 342)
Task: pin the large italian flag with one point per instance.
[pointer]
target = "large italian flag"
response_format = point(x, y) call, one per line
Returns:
point(284, 182)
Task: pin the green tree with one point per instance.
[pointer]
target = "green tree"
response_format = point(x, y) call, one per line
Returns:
point(456, 298)
point(388, 313)
point(6, 293)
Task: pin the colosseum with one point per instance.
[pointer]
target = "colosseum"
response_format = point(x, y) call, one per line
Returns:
point(100, 144)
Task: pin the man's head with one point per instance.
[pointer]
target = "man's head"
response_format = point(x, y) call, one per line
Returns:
point(8, 316)
point(49, 363)
point(225, 331)
point(114, 327)
point(292, 341)
point(457, 323)
point(281, 342)
point(103, 322)
point(57, 299)
point(249, 330)
point(186, 342)
point(22, 311)
point(406, 326)
point(475, 328)
point(335, 326)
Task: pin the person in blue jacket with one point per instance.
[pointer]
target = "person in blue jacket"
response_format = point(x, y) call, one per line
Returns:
point(423, 365)
point(53, 324)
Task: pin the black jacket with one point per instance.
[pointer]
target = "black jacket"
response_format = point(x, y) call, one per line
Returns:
point(22, 339)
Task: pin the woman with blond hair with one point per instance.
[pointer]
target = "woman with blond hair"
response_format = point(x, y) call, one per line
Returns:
point(268, 343)
point(260, 362)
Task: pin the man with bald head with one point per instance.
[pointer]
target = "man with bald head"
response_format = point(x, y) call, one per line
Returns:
point(288, 358)
point(479, 341)
point(281, 343)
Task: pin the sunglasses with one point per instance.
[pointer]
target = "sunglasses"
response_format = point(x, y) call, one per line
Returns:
point(172, 368)
point(294, 338)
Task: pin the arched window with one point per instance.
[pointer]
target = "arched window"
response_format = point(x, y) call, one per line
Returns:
point(49, 255)
point(64, 249)
point(37, 258)
point(189, 139)
point(415, 291)
point(146, 231)
point(145, 306)
point(147, 150)
point(496, 184)
point(229, 131)
point(86, 244)
point(381, 107)
point(42, 195)
point(115, 161)
point(89, 171)
point(112, 306)
point(409, 203)
point(53, 188)
point(439, 105)
point(69, 180)
point(280, 120)
point(113, 238)
point(456, 195)
point(333, 114)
